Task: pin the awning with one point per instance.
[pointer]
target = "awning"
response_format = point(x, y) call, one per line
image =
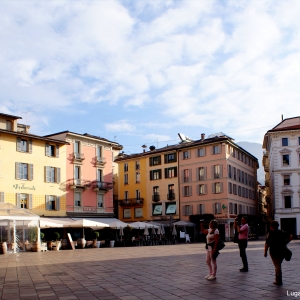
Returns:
point(84, 223)
point(111, 222)
point(9, 211)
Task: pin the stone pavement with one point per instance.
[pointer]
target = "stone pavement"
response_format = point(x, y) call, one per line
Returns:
point(153, 272)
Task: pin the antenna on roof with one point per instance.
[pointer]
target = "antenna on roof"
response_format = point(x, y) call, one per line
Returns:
point(281, 117)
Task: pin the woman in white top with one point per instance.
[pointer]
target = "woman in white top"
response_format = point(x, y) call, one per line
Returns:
point(212, 239)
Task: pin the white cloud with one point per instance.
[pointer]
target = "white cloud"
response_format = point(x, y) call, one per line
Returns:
point(121, 126)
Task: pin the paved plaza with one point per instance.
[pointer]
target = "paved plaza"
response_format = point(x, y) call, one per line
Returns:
point(152, 272)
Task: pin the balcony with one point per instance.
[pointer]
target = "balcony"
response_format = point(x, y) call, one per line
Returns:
point(99, 161)
point(78, 183)
point(156, 197)
point(85, 209)
point(78, 157)
point(171, 196)
point(100, 185)
point(131, 202)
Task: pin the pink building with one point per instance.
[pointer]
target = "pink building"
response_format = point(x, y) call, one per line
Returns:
point(217, 177)
point(89, 184)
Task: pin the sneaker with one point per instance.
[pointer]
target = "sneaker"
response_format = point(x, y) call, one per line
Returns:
point(207, 276)
point(211, 277)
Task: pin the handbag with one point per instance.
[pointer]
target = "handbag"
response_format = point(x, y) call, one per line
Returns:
point(221, 245)
point(287, 254)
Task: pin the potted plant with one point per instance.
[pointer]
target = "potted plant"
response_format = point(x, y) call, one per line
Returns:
point(96, 243)
point(56, 237)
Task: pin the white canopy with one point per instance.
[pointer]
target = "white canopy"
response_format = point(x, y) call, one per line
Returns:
point(9, 211)
point(184, 223)
point(141, 225)
point(51, 223)
point(111, 222)
point(84, 223)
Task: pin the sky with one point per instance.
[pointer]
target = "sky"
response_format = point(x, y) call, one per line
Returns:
point(140, 72)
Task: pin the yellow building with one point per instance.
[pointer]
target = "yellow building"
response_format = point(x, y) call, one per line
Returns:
point(32, 169)
point(132, 188)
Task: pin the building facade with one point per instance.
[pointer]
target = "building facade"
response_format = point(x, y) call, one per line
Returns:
point(281, 162)
point(32, 169)
point(89, 174)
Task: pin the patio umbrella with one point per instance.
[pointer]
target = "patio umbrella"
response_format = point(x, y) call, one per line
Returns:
point(121, 233)
point(159, 230)
point(153, 232)
point(174, 232)
point(48, 223)
point(140, 225)
point(146, 232)
point(162, 230)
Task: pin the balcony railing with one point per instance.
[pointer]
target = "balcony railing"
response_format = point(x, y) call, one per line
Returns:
point(171, 196)
point(78, 183)
point(156, 197)
point(99, 160)
point(85, 209)
point(131, 202)
point(78, 156)
point(100, 185)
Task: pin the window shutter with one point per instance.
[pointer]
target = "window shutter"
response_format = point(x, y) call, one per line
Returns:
point(159, 173)
point(159, 160)
point(205, 173)
point(213, 188)
point(203, 209)
point(190, 190)
point(204, 151)
point(221, 187)
point(205, 189)
point(190, 175)
point(213, 208)
point(30, 201)
point(175, 171)
point(2, 197)
point(219, 207)
point(18, 175)
point(18, 200)
point(166, 158)
point(57, 170)
point(183, 210)
point(182, 176)
point(18, 144)
point(30, 171)
point(198, 189)
point(189, 153)
point(57, 203)
point(47, 202)
point(220, 149)
point(151, 175)
point(150, 161)
point(212, 172)
point(212, 150)
point(57, 150)
point(175, 157)
point(166, 172)
point(183, 194)
point(197, 153)
point(30, 146)
point(221, 171)
point(47, 152)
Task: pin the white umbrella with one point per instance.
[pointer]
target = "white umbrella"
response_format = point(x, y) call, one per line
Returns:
point(174, 232)
point(48, 223)
point(184, 223)
point(159, 230)
point(85, 223)
point(146, 232)
point(140, 225)
point(121, 233)
point(153, 232)
point(117, 224)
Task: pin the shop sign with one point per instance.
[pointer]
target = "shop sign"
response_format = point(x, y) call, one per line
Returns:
point(22, 186)
point(89, 208)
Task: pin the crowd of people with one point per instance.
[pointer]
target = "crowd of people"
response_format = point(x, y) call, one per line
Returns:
point(276, 243)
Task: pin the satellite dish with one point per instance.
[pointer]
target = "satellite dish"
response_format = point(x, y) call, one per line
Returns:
point(182, 136)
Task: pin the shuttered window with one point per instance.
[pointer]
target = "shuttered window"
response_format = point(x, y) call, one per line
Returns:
point(217, 208)
point(202, 189)
point(187, 191)
point(24, 171)
point(52, 174)
point(24, 200)
point(187, 210)
point(155, 160)
point(201, 173)
point(24, 145)
point(217, 187)
point(201, 209)
point(51, 150)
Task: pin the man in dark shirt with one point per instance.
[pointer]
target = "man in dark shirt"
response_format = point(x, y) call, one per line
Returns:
point(277, 241)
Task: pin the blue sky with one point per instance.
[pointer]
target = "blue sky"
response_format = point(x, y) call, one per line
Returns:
point(139, 72)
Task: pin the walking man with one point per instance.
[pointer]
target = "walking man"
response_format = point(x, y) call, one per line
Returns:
point(243, 241)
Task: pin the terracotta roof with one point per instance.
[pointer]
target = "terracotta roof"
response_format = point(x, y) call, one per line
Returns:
point(285, 128)
point(33, 136)
point(10, 116)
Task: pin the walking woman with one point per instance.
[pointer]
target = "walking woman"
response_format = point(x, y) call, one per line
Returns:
point(212, 240)
point(277, 241)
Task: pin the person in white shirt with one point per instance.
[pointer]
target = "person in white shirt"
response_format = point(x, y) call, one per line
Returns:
point(212, 240)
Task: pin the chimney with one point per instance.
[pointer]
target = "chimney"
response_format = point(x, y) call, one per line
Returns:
point(144, 148)
point(202, 136)
point(152, 148)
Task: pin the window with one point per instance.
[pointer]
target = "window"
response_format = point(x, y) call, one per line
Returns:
point(137, 194)
point(234, 189)
point(157, 209)
point(235, 209)
point(77, 147)
point(169, 158)
point(77, 198)
point(285, 142)
point(155, 174)
point(186, 154)
point(52, 202)
point(201, 209)
point(240, 209)
point(246, 178)
point(99, 151)
point(156, 196)
point(229, 187)
point(24, 171)
point(216, 149)
point(217, 208)
point(125, 178)
point(8, 125)
point(298, 140)
point(239, 191)
point(100, 175)
point(217, 187)
point(52, 150)
point(187, 210)
point(138, 212)
point(126, 195)
point(137, 165)
point(155, 161)
point(171, 192)
point(171, 172)
point(170, 208)
point(230, 208)
point(24, 145)
point(201, 152)
point(229, 171)
point(286, 159)
point(202, 173)
point(239, 175)
point(216, 171)
point(234, 173)
point(202, 189)
point(99, 200)
point(52, 174)
point(243, 192)
point(186, 175)
point(137, 177)
point(242, 176)
point(286, 180)
point(287, 201)
point(186, 191)
point(246, 192)
point(126, 167)
point(127, 213)
point(24, 201)
point(77, 172)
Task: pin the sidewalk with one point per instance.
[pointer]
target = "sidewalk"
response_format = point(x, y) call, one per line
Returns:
point(153, 272)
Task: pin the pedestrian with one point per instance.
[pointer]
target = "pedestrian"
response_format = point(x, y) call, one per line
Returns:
point(242, 241)
point(212, 240)
point(277, 241)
